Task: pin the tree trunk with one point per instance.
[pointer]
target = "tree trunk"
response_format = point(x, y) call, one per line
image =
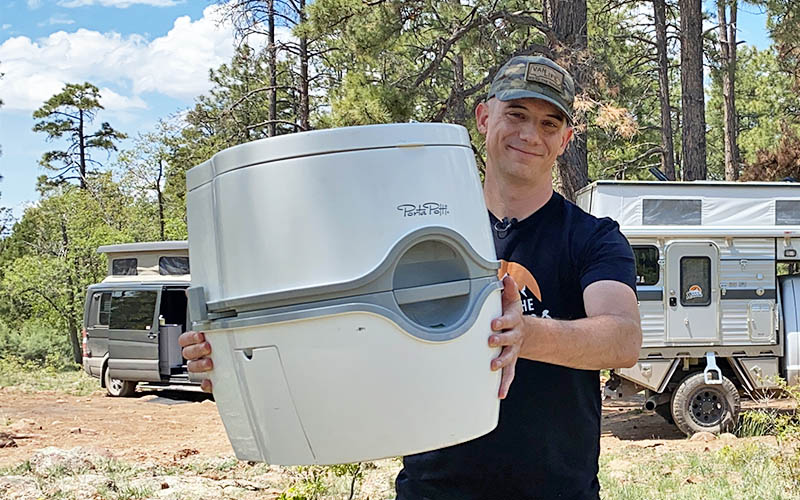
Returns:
point(82, 150)
point(727, 45)
point(568, 19)
point(693, 134)
point(72, 325)
point(668, 153)
point(304, 97)
point(273, 69)
point(459, 101)
point(160, 196)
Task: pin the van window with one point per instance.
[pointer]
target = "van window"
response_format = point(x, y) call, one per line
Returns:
point(105, 309)
point(133, 309)
point(659, 212)
point(99, 310)
point(647, 269)
point(173, 265)
point(124, 267)
point(695, 281)
point(787, 212)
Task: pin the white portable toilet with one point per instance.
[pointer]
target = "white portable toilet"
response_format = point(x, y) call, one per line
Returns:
point(346, 281)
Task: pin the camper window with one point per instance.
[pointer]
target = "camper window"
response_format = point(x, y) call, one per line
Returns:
point(132, 309)
point(646, 264)
point(695, 281)
point(124, 267)
point(173, 265)
point(660, 212)
point(787, 212)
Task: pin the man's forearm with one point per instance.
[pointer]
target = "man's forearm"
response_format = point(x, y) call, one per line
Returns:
point(604, 341)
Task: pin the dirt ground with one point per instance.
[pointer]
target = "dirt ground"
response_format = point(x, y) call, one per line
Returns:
point(164, 425)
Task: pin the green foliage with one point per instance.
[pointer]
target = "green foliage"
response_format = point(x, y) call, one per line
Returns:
point(236, 109)
point(782, 423)
point(314, 481)
point(622, 109)
point(51, 257)
point(422, 60)
point(37, 342)
point(146, 171)
point(767, 109)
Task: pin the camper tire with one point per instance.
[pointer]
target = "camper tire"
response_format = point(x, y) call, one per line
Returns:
point(700, 407)
point(665, 411)
point(117, 388)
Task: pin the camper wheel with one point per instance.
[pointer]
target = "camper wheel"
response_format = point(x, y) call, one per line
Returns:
point(116, 387)
point(700, 407)
point(665, 411)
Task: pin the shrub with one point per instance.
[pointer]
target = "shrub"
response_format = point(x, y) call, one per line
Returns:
point(36, 341)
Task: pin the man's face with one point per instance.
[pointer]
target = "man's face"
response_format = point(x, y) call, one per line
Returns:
point(523, 136)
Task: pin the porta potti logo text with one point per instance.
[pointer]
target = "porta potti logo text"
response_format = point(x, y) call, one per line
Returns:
point(424, 209)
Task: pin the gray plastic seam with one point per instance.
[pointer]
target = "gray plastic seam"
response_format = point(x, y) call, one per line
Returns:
point(380, 279)
point(431, 292)
point(381, 304)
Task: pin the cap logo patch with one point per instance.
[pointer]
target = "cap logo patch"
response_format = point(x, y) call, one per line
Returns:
point(542, 73)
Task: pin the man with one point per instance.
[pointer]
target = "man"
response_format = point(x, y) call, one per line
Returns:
point(569, 309)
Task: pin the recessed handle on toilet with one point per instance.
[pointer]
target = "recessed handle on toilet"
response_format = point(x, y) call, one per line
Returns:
point(432, 292)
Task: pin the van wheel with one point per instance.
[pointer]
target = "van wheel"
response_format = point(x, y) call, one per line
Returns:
point(118, 388)
point(700, 407)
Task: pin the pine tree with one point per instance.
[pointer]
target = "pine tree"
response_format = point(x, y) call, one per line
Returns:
point(70, 113)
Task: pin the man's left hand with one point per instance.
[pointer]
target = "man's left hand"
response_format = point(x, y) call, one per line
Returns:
point(510, 336)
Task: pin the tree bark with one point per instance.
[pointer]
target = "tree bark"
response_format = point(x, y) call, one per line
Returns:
point(72, 324)
point(160, 196)
point(693, 134)
point(304, 97)
point(82, 149)
point(459, 104)
point(667, 144)
point(727, 43)
point(273, 69)
point(568, 20)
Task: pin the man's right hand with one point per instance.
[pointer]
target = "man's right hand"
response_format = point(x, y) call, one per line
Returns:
point(196, 350)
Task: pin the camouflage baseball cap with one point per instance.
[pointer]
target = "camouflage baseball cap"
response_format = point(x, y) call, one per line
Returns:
point(537, 77)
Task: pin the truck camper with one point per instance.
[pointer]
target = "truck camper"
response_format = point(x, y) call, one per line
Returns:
point(718, 283)
point(132, 319)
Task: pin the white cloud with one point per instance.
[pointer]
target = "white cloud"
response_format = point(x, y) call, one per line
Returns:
point(113, 101)
point(122, 4)
point(6, 26)
point(56, 20)
point(34, 4)
point(175, 64)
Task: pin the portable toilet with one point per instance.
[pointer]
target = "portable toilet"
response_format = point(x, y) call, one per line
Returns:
point(346, 281)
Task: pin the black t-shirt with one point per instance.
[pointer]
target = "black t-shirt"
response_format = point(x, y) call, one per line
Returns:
point(547, 442)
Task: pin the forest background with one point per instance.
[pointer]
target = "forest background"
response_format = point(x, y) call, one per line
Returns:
point(661, 84)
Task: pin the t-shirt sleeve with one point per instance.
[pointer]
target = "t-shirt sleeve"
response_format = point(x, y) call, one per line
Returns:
point(607, 255)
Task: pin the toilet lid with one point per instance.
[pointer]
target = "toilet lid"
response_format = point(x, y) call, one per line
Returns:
point(325, 141)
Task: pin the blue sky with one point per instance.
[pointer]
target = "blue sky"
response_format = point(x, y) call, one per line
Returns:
point(150, 58)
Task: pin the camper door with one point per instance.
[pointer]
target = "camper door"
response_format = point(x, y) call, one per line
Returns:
point(692, 292)
point(133, 334)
